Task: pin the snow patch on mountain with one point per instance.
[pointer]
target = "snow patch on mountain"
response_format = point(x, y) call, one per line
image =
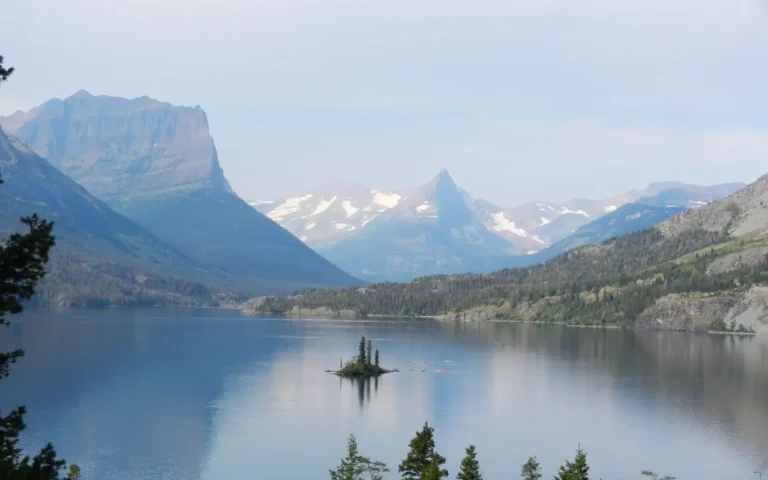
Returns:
point(387, 200)
point(310, 226)
point(423, 207)
point(503, 224)
point(348, 208)
point(544, 221)
point(323, 206)
point(610, 208)
point(344, 226)
point(289, 206)
point(566, 211)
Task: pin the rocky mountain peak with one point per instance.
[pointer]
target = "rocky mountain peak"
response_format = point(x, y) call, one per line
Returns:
point(124, 150)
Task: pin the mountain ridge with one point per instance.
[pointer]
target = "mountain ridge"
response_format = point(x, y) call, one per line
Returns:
point(157, 164)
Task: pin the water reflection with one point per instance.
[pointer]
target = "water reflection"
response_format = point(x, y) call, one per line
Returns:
point(363, 388)
point(193, 395)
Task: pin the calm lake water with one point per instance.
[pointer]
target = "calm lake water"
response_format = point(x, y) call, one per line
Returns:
point(208, 394)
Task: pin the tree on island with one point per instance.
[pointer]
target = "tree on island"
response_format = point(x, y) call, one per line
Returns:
point(363, 364)
point(369, 353)
point(470, 467)
point(361, 351)
point(531, 470)
point(22, 265)
point(356, 467)
point(421, 455)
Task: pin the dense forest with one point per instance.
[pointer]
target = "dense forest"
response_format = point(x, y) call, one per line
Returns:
point(610, 283)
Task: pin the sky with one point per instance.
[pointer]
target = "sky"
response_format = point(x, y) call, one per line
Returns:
point(519, 100)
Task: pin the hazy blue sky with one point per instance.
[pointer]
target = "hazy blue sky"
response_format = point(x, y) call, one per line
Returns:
point(519, 99)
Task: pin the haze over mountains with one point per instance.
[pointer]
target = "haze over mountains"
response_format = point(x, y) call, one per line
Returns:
point(702, 269)
point(440, 228)
point(157, 164)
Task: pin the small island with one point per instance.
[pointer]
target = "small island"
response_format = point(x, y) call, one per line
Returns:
point(364, 365)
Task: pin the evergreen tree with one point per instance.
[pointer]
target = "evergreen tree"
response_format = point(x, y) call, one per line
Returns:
point(356, 467)
point(377, 357)
point(576, 470)
point(470, 467)
point(22, 265)
point(421, 454)
point(432, 472)
point(531, 470)
point(369, 355)
point(361, 351)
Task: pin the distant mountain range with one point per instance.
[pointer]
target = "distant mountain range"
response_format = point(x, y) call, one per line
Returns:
point(700, 269)
point(157, 165)
point(440, 228)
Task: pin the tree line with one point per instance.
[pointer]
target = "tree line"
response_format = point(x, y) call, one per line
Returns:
point(423, 462)
point(610, 283)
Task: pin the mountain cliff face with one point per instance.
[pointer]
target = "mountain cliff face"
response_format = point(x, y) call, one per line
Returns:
point(100, 256)
point(123, 150)
point(157, 164)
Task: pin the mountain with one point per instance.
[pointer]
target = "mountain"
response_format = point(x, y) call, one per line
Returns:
point(628, 218)
point(124, 150)
point(705, 269)
point(552, 222)
point(324, 216)
point(100, 256)
point(433, 230)
point(338, 210)
point(157, 164)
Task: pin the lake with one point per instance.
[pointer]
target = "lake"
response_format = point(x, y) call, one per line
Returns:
point(208, 394)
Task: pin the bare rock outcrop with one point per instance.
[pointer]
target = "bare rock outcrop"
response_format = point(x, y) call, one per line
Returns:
point(689, 312)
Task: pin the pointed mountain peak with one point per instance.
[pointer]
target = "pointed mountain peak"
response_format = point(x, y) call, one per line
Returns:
point(82, 93)
point(443, 180)
point(444, 175)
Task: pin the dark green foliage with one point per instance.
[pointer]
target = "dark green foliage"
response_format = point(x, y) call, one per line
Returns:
point(576, 470)
point(22, 265)
point(4, 72)
point(628, 274)
point(356, 467)
point(432, 472)
point(655, 476)
point(361, 358)
point(470, 467)
point(422, 456)
point(531, 470)
point(362, 366)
